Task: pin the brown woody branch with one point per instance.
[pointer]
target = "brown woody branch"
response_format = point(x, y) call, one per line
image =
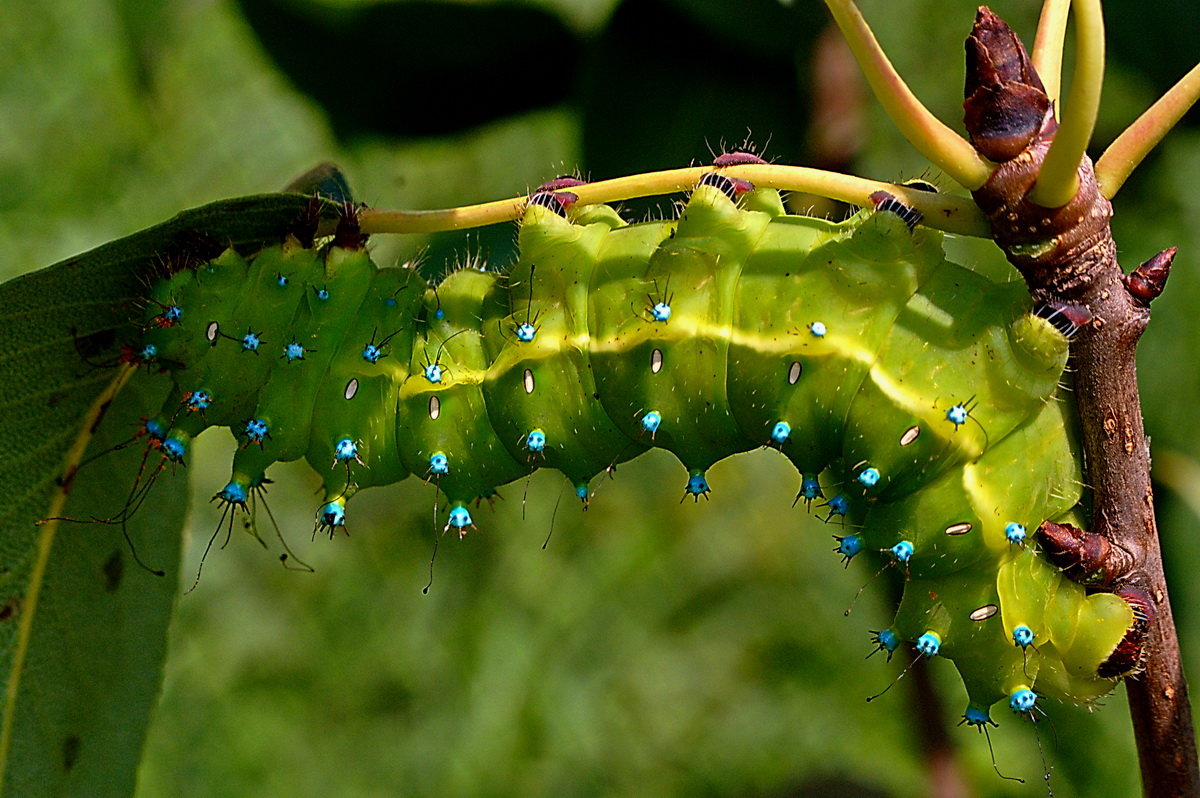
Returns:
point(1068, 258)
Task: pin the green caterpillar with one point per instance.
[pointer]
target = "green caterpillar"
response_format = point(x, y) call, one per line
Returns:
point(920, 402)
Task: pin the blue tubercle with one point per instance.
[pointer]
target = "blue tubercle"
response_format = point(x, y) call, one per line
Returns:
point(1022, 636)
point(172, 313)
point(155, 429)
point(957, 415)
point(838, 505)
point(255, 430)
point(697, 485)
point(345, 450)
point(460, 518)
point(581, 491)
point(885, 640)
point(928, 644)
point(234, 493)
point(293, 351)
point(1022, 700)
point(817, 328)
point(651, 421)
point(848, 546)
point(661, 311)
point(869, 477)
point(439, 463)
point(251, 341)
point(322, 293)
point(781, 432)
point(433, 372)
point(332, 514)
point(372, 353)
point(977, 716)
point(174, 449)
point(810, 488)
point(902, 551)
point(535, 441)
point(439, 314)
point(1015, 533)
point(147, 353)
point(281, 280)
point(526, 332)
point(197, 401)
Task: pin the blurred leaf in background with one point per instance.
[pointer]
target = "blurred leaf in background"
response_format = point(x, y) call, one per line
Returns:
point(650, 647)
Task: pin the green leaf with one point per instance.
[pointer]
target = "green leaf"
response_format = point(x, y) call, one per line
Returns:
point(82, 625)
point(85, 634)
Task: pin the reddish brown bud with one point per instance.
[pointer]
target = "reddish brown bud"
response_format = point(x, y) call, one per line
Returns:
point(1084, 557)
point(1006, 105)
point(1147, 281)
point(1127, 656)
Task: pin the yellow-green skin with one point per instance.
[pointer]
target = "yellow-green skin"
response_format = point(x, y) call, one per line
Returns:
point(860, 336)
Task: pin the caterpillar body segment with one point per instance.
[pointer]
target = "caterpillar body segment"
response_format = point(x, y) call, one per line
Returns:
point(553, 283)
point(919, 401)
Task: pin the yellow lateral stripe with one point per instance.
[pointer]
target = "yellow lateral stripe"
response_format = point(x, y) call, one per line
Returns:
point(686, 328)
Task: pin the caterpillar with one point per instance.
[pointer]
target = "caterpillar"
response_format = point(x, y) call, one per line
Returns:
point(921, 403)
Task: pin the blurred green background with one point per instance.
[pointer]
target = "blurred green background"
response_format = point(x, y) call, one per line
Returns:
point(652, 647)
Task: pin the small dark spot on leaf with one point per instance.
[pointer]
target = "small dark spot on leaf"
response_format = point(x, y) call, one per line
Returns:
point(114, 569)
point(10, 608)
point(70, 751)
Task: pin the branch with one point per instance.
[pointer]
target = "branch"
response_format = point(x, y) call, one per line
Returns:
point(1067, 256)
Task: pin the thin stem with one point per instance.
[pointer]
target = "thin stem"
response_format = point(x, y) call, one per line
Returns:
point(942, 211)
point(1048, 46)
point(1059, 178)
point(1124, 154)
point(929, 135)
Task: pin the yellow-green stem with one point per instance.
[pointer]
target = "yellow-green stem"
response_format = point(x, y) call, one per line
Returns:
point(1124, 154)
point(1059, 179)
point(929, 135)
point(1048, 46)
point(942, 211)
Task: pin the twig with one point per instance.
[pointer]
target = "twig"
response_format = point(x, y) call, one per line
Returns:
point(1068, 257)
